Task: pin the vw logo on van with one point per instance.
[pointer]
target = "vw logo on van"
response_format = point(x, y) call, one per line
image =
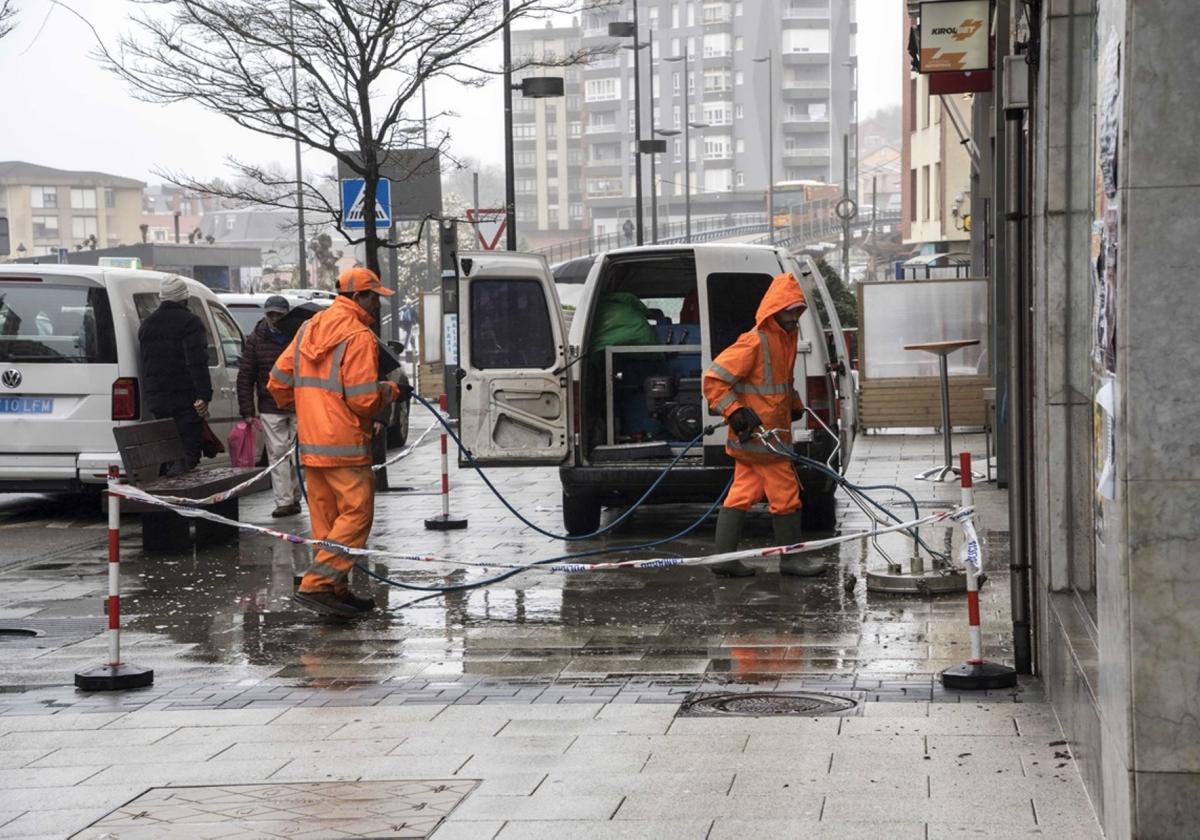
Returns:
point(11, 378)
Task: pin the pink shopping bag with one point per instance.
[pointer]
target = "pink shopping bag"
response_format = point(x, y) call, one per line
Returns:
point(242, 449)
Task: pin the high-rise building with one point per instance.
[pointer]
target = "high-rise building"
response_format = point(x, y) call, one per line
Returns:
point(547, 155)
point(812, 47)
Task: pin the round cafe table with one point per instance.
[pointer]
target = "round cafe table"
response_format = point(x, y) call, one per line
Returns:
point(942, 349)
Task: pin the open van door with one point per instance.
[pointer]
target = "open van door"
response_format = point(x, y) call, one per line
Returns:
point(514, 408)
point(842, 369)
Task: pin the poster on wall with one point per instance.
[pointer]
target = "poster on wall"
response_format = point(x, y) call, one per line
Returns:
point(1106, 286)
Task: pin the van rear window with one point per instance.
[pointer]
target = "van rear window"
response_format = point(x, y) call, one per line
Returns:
point(50, 324)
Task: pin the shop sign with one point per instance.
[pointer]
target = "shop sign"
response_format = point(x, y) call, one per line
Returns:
point(955, 36)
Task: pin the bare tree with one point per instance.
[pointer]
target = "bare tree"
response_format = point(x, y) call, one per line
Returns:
point(8, 17)
point(358, 65)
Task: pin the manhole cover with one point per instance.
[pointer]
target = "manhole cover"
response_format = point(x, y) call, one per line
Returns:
point(50, 632)
point(408, 809)
point(766, 704)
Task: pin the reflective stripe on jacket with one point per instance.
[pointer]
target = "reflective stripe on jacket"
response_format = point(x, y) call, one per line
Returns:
point(330, 373)
point(756, 371)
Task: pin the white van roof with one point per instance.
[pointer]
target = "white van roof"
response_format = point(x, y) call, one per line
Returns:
point(103, 276)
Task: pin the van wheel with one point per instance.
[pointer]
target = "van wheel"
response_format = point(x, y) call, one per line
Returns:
point(820, 510)
point(581, 513)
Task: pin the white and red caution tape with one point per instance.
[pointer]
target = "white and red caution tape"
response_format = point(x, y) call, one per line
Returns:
point(961, 515)
point(217, 498)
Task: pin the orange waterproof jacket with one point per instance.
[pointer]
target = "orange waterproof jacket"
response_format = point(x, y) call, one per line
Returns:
point(330, 372)
point(756, 372)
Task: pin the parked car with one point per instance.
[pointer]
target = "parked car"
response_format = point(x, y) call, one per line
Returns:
point(247, 309)
point(70, 369)
point(612, 417)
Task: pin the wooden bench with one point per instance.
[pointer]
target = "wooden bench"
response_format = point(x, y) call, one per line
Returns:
point(145, 448)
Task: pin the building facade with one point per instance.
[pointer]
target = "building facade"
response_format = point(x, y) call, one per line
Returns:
point(935, 168)
point(811, 45)
point(52, 209)
point(547, 151)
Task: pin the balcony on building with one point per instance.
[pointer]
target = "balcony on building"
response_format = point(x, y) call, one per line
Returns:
point(805, 10)
point(804, 123)
point(717, 14)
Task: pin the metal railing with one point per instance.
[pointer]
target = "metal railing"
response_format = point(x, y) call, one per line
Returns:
point(704, 229)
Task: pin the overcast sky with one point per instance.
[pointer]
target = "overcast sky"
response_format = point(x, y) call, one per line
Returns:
point(62, 110)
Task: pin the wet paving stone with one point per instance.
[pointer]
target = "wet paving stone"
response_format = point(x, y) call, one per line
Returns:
point(408, 809)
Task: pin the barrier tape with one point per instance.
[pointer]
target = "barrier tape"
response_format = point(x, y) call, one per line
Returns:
point(408, 450)
point(217, 498)
point(961, 515)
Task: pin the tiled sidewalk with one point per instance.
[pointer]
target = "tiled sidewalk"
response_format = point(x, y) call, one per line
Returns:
point(558, 694)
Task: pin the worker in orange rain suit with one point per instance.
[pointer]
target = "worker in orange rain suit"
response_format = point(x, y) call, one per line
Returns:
point(750, 384)
point(330, 372)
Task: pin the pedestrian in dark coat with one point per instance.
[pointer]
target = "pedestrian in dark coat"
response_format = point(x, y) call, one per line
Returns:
point(261, 350)
point(173, 344)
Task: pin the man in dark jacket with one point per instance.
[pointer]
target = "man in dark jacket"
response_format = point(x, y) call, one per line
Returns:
point(259, 353)
point(174, 352)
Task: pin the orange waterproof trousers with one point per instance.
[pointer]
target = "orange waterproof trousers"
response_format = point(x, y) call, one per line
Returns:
point(774, 480)
point(341, 506)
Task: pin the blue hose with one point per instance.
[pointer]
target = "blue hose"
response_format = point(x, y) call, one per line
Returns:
point(564, 537)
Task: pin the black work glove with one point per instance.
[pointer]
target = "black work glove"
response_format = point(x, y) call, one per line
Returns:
point(797, 414)
point(743, 422)
point(405, 393)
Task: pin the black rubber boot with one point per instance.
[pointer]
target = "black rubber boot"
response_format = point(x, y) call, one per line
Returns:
point(729, 533)
point(788, 531)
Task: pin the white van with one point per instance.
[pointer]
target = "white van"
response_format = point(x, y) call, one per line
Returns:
point(69, 369)
point(613, 417)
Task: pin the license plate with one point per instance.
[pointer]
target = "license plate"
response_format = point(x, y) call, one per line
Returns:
point(26, 405)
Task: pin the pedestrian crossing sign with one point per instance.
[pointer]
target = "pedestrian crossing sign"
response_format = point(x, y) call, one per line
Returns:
point(353, 204)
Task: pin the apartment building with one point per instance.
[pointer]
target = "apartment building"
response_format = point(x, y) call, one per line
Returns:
point(50, 209)
point(547, 153)
point(575, 156)
point(936, 170)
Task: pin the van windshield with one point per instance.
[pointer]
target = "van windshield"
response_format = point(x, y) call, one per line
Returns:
point(55, 324)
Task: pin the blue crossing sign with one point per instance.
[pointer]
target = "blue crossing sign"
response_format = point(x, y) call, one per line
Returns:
point(354, 200)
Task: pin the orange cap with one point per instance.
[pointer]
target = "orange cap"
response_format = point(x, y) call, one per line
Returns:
point(361, 280)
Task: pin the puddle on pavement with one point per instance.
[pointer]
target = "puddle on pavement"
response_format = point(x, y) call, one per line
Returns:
point(231, 606)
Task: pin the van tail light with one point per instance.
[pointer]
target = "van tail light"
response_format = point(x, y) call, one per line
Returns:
point(818, 401)
point(125, 402)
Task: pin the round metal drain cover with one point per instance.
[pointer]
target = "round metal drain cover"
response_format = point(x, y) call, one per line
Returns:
point(764, 704)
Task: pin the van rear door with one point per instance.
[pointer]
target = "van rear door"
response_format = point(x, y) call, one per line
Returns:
point(514, 406)
point(840, 363)
point(58, 365)
point(731, 282)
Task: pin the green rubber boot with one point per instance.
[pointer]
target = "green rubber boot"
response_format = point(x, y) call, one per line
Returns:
point(788, 532)
point(729, 532)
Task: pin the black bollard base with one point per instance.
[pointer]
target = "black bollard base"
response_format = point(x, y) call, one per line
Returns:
point(443, 522)
point(979, 677)
point(114, 678)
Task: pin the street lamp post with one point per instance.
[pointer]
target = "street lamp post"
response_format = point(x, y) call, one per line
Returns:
point(625, 29)
point(770, 142)
point(687, 145)
point(653, 156)
point(544, 87)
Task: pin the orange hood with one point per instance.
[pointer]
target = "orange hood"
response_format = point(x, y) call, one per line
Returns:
point(328, 329)
point(783, 293)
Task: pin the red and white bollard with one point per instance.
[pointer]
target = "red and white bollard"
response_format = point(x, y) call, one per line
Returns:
point(976, 673)
point(114, 675)
point(444, 522)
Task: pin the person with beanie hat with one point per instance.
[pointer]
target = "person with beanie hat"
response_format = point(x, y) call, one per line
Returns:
point(259, 354)
point(173, 345)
